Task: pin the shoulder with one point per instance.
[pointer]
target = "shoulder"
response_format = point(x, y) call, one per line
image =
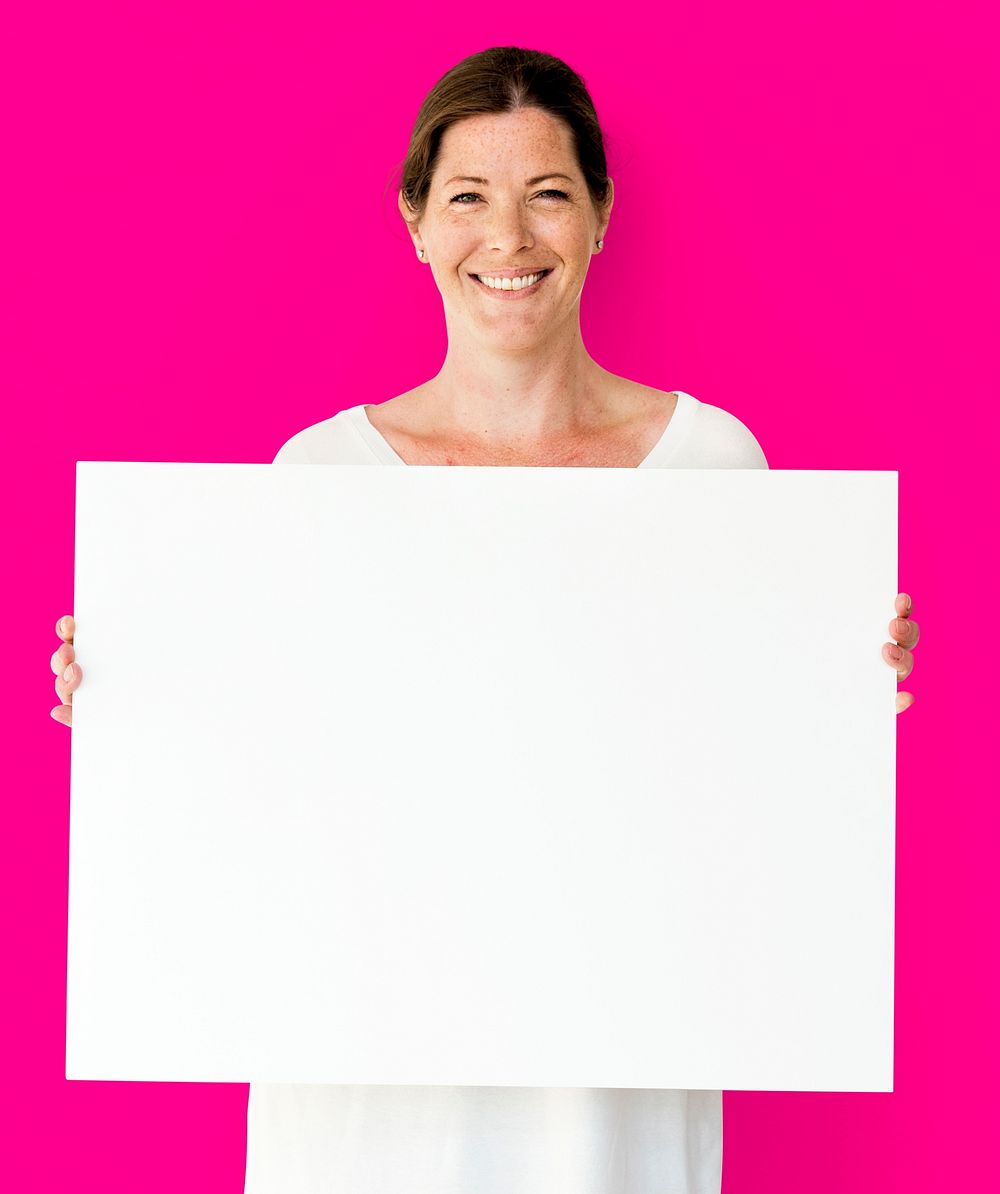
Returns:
point(701, 435)
point(720, 435)
point(330, 441)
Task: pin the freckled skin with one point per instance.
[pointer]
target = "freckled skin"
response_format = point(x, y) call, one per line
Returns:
point(518, 371)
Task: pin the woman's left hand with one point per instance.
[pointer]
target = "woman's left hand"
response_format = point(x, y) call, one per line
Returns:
point(899, 654)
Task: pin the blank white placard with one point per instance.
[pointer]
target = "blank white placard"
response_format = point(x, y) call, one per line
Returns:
point(488, 776)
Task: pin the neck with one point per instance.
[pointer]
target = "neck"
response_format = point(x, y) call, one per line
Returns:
point(538, 394)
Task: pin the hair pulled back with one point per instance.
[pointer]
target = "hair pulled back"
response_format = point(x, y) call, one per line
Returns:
point(504, 79)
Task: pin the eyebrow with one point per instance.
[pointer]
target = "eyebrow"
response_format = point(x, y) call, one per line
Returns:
point(530, 182)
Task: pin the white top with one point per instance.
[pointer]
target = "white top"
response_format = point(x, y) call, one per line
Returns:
point(309, 1139)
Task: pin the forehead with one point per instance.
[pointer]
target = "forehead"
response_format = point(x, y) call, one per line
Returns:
point(506, 142)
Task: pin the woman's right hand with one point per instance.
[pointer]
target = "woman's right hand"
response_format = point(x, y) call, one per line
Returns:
point(68, 671)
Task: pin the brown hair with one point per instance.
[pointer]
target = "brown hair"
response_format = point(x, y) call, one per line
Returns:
point(504, 79)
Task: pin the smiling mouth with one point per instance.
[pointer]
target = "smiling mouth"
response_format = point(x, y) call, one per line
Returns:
point(512, 286)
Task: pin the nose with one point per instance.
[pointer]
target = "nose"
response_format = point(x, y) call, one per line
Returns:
point(510, 228)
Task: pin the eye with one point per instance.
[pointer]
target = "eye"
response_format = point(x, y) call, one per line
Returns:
point(474, 195)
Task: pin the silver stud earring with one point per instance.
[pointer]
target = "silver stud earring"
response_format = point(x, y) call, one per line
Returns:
point(420, 254)
point(600, 244)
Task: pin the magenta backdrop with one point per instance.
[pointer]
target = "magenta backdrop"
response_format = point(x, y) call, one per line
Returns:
point(201, 256)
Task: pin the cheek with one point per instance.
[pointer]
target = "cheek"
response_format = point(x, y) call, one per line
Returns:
point(570, 236)
point(453, 229)
point(459, 249)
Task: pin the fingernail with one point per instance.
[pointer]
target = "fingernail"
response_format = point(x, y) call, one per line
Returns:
point(895, 653)
point(68, 673)
point(62, 625)
point(909, 603)
point(899, 627)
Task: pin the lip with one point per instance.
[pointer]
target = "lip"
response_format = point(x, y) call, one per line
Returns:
point(520, 272)
point(509, 295)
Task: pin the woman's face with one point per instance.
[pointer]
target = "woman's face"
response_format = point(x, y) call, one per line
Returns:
point(498, 207)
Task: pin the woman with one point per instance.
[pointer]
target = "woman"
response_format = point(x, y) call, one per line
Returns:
point(506, 198)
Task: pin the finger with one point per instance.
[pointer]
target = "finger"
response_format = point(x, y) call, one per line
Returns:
point(62, 658)
point(905, 632)
point(903, 701)
point(63, 713)
point(899, 658)
point(904, 604)
point(68, 683)
point(66, 627)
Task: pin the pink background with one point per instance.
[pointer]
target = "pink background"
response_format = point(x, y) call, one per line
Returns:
point(201, 256)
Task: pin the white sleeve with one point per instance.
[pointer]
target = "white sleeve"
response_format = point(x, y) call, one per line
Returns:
point(731, 443)
point(292, 451)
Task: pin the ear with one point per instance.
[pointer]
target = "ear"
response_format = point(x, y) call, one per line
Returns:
point(411, 226)
point(607, 210)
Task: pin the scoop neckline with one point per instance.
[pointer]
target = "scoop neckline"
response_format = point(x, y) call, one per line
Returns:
point(385, 452)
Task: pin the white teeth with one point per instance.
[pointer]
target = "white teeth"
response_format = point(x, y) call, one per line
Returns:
point(509, 283)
